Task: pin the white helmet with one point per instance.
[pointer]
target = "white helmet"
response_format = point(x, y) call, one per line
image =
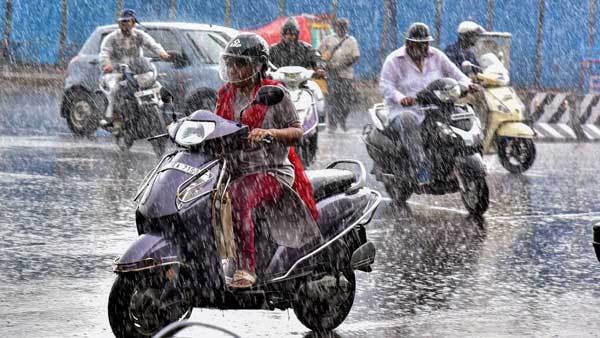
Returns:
point(468, 26)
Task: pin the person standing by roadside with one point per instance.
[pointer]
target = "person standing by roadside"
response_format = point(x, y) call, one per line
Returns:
point(340, 52)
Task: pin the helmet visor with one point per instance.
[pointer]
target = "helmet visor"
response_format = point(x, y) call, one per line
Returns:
point(237, 68)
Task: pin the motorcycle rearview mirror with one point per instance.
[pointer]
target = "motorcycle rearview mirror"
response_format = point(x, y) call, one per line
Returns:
point(468, 66)
point(269, 95)
point(178, 59)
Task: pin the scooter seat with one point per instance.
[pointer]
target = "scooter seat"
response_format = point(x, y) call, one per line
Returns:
point(327, 182)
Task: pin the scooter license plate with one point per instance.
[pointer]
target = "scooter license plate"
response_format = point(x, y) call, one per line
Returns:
point(146, 92)
point(185, 168)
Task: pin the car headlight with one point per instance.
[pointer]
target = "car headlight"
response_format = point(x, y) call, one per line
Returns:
point(193, 189)
point(193, 132)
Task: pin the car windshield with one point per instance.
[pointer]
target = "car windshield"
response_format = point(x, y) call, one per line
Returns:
point(208, 44)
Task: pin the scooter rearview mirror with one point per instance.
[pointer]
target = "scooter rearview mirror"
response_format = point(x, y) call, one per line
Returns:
point(269, 95)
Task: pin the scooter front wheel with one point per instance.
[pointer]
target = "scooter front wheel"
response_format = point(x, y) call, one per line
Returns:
point(139, 306)
point(516, 154)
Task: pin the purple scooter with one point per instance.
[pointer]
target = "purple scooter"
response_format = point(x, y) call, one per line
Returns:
point(184, 254)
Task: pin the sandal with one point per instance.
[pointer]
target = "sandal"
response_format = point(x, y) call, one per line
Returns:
point(242, 279)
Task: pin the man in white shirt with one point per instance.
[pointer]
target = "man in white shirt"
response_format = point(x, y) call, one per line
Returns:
point(405, 72)
point(124, 45)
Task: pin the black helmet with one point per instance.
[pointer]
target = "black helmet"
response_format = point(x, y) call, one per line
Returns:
point(418, 32)
point(290, 26)
point(246, 49)
point(128, 14)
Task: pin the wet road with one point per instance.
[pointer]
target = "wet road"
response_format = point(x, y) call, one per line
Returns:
point(530, 271)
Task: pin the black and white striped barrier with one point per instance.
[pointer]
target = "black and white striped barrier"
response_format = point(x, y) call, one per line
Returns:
point(551, 116)
point(589, 117)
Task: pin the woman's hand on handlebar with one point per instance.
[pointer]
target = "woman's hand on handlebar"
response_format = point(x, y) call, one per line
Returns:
point(258, 135)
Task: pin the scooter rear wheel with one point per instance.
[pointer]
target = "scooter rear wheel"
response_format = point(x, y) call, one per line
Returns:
point(325, 314)
point(516, 154)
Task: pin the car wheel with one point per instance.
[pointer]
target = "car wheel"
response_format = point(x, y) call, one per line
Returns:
point(81, 113)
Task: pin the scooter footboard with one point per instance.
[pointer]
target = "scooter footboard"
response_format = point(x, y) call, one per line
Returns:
point(148, 251)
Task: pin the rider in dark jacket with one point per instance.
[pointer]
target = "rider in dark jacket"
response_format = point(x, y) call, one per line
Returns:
point(292, 52)
point(463, 49)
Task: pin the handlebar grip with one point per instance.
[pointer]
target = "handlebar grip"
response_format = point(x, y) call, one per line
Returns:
point(268, 139)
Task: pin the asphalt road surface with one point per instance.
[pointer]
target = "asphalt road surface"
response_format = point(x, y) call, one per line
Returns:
point(529, 270)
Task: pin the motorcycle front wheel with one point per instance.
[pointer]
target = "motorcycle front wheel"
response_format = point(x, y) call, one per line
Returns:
point(516, 154)
point(138, 306)
point(475, 195)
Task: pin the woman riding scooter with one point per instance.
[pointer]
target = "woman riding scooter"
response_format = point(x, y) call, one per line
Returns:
point(273, 163)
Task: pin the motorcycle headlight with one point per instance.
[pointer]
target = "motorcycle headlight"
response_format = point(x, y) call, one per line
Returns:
point(193, 132)
point(145, 80)
point(193, 189)
point(448, 95)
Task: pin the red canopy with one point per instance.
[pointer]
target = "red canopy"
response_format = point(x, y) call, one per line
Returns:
point(272, 31)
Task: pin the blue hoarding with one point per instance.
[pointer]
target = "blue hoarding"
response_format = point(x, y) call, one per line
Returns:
point(211, 12)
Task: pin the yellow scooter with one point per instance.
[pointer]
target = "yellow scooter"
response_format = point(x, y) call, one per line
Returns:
point(513, 139)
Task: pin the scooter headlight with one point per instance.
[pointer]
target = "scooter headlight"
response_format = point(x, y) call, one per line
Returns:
point(192, 133)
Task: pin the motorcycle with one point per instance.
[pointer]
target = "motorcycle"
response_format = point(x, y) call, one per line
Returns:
point(309, 102)
point(139, 108)
point(452, 143)
point(183, 257)
point(513, 139)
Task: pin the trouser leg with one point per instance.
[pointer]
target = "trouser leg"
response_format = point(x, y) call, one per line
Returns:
point(246, 194)
point(340, 96)
point(112, 81)
point(332, 106)
point(346, 95)
point(407, 132)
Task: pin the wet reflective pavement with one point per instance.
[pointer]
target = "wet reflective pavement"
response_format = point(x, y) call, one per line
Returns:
point(528, 271)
